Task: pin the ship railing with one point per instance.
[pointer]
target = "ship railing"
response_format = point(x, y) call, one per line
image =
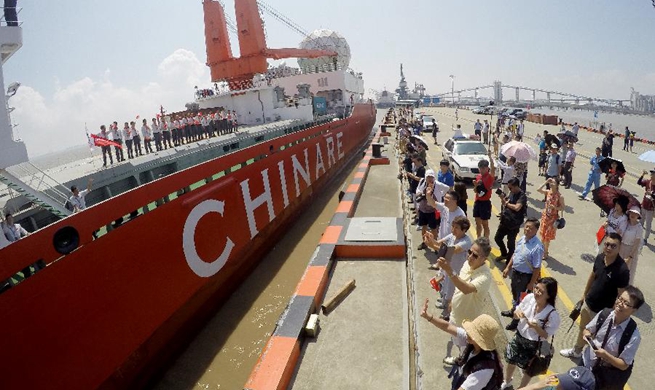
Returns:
point(3, 19)
point(29, 180)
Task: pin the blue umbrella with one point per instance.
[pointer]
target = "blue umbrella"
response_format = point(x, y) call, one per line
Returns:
point(648, 156)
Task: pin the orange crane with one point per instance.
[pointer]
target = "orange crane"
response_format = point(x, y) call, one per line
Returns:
point(238, 72)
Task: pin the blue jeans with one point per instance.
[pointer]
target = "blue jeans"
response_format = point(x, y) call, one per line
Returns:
point(593, 178)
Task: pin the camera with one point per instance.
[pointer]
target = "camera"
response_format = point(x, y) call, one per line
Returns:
point(500, 192)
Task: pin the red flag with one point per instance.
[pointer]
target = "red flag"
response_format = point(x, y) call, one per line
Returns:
point(99, 141)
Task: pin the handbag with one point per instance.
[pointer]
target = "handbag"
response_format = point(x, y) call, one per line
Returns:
point(541, 360)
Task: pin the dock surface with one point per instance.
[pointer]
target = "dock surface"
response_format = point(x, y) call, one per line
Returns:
point(375, 339)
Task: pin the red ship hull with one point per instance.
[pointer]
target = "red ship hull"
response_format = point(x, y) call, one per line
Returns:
point(117, 309)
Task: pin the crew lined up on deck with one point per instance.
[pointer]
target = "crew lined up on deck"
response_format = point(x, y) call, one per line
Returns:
point(167, 132)
point(609, 299)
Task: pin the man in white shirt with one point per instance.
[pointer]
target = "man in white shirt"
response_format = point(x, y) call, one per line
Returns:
point(520, 129)
point(77, 200)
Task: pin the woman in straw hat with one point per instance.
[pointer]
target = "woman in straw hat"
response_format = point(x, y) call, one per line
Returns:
point(479, 366)
point(631, 241)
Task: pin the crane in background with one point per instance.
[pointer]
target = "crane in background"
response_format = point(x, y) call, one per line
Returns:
point(238, 72)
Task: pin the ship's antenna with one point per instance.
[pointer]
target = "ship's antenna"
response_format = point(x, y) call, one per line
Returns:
point(285, 20)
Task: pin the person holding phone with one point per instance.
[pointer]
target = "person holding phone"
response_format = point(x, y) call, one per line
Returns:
point(459, 240)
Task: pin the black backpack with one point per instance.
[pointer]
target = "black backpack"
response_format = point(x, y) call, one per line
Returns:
point(627, 334)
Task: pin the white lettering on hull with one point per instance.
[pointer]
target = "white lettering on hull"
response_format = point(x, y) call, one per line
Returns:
point(304, 172)
point(252, 204)
point(330, 151)
point(207, 269)
point(197, 265)
point(283, 182)
point(339, 146)
point(319, 161)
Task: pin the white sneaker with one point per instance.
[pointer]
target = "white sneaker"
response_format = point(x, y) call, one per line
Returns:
point(506, 385)
point(570, 353)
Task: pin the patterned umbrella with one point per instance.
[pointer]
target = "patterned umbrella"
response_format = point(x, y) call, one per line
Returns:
point(604, 197)
point(521, 151)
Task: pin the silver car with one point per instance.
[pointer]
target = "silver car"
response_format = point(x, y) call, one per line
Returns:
point(464, 155)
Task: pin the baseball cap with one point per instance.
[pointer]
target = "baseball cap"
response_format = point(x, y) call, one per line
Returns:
point(430, 172)
point(577, 378)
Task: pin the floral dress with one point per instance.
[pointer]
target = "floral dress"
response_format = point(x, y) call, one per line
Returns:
point(549, 216)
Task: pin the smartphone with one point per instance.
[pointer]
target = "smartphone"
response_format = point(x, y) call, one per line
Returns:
point(591, 343)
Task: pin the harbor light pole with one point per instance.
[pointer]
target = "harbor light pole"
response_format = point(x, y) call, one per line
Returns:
point(452, 87)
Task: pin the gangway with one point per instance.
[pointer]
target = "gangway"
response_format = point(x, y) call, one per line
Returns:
point(37, 186)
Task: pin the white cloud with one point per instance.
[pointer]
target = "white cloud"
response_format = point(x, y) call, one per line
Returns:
point(52, 123)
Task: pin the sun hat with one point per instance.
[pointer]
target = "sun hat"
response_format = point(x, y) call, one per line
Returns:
point(483, 331)
point(577, 378)
point(430, 172)
point(636, 210)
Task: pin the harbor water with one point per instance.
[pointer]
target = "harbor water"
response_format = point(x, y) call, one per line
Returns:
point(643, 125)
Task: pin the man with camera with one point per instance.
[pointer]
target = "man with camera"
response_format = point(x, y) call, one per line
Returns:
point(511, 218)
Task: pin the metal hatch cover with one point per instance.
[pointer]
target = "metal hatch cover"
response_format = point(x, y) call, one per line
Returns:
point(378, 229)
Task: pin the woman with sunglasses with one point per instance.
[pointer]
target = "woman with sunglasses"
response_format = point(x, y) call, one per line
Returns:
point(538, 321)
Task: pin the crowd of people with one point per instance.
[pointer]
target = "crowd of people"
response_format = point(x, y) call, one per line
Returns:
point(165, 132)
point(463, 277)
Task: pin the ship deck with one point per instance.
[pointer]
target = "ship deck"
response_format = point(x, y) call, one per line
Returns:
point(375, 337)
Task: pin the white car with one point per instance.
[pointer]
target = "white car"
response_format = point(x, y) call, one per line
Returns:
point(464, 155)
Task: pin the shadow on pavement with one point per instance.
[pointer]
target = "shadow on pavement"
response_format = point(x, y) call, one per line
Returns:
point(645, 313)
point(588, 257)
point(562, 268)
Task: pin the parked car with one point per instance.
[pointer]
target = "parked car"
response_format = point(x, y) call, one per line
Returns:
point(514, 113)
point(464, 155)
point(426, 120)
point(479, 110)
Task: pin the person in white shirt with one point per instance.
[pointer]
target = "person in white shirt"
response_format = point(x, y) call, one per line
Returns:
point(538, 321)
point(631, 242)
point(479, 365)
point(485, 132)
point(117, 137)
point(461, 243)
point(520, 130)
point(508, 171)
point(146, 132)
point(136, 139)
point(167, 126)
point(127, 136)
point(13, 231)
point(157, 133)
point(204, 122)
point(77, 200)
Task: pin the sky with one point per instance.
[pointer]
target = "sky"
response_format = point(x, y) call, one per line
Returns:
point(93, 62)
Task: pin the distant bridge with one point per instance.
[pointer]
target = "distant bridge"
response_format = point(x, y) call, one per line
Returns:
point(539, 97)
